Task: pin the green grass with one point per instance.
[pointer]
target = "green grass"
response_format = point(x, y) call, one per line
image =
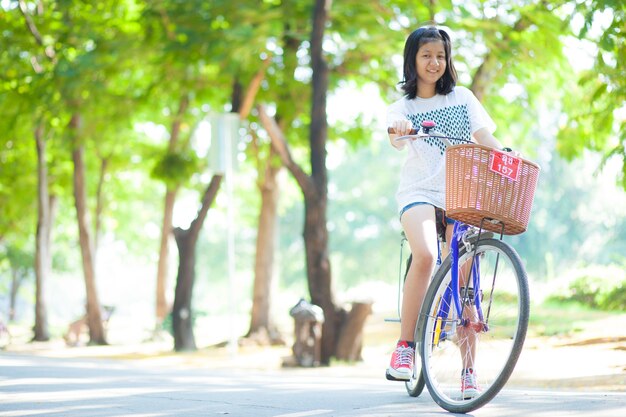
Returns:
point(549, 318)
point(562, 318)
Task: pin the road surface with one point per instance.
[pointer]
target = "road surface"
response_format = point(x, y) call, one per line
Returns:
point(35, 385)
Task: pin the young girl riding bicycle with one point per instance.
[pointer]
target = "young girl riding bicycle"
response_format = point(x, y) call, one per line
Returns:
point(430, 93)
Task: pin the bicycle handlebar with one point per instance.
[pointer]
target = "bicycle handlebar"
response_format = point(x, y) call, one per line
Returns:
point(392, 131)
point(424, 132)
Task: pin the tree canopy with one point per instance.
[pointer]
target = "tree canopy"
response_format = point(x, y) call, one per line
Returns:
point(139, 73)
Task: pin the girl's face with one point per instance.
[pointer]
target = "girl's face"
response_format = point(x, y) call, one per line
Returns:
point(430, 62)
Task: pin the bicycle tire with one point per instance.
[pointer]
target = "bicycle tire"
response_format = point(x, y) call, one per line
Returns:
point(492, 351)
point(415, 386)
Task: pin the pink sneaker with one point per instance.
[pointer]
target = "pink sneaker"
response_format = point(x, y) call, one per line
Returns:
point(401, 367)
point(469, 384)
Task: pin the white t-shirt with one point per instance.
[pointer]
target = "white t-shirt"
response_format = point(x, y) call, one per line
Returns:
point(458, 114)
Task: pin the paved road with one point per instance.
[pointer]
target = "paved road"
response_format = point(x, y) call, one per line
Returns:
point(32, 385)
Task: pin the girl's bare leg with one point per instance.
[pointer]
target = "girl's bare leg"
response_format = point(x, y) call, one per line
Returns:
point(419, 227)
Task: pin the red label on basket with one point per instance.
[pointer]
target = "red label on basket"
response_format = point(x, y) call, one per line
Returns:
point(505, 164)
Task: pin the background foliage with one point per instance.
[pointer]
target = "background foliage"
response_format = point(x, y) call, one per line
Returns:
point(556, 91)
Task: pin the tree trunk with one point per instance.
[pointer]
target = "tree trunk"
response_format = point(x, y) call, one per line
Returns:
point(100, 202)
point(166, 228)
point(260, 319)
point(16, 281)
point(186, 239)
point(350, 343)
point(315, 229)
point(94, 317)
point(182, 320)
point(42, 241)
point(319, 272)
point(162, 308)
point(484, 76)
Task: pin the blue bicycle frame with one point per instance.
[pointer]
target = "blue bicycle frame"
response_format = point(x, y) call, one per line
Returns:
point(452, 294)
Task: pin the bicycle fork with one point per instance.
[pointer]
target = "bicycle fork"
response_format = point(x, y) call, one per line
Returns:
point(453, 296)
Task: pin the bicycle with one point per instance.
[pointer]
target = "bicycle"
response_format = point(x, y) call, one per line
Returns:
point(464, 310)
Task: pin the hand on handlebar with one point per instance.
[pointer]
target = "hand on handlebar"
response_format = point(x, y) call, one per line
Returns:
point(402, 128)
point(512, 152)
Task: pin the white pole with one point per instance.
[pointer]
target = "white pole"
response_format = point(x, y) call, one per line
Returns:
point(224, 138)
point(230, 214)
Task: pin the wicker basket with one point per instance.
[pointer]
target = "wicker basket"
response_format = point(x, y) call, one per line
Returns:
point(474, 192)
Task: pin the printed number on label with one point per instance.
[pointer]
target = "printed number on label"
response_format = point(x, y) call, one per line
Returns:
point(505, 164)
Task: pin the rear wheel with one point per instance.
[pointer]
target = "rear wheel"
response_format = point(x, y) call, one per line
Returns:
point(487, 338)
point(415, 385)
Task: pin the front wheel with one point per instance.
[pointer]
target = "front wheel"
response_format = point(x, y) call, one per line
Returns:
point(467, 358)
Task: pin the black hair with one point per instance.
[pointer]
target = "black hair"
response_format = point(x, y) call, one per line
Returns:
point(413, 43)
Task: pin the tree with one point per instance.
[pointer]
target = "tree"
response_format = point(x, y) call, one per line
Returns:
point(186, 240)
point(31, 63)
point(314, 186)
point(356, 57)
point(78, 80)
point(593, 114)
point(21, 265)
point(284, 35)
point(200, 50)
point(268, 167)
point(190, 62)
point(94, 316)
point(162, 308)
point(46, 208)
point(90, 70)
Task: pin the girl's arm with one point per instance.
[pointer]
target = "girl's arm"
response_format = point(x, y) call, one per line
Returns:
point(484, 137)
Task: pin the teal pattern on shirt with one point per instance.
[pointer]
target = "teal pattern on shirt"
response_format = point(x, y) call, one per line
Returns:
point(452, 121)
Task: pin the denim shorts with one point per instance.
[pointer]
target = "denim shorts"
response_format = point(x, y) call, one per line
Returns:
point(440, 218)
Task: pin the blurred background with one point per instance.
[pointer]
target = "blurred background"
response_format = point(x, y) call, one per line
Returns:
point(112, 128)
